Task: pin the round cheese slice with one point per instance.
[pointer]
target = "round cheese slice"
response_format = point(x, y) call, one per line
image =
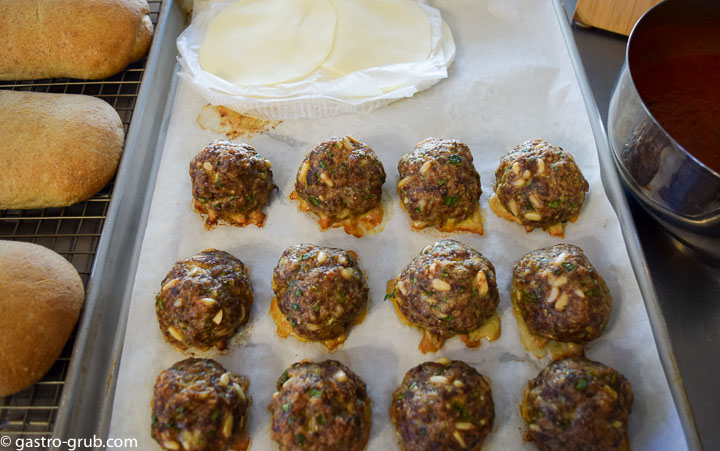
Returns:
point(374, 33)
point(265, 42)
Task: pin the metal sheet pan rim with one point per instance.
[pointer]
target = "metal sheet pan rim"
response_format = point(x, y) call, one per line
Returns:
point(84, 366)
point(613, 189)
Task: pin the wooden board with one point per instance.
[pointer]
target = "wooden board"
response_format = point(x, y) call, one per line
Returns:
point(618, 16)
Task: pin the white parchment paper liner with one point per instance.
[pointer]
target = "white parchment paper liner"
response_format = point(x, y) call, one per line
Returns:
point(316, 95)
point(512, 81)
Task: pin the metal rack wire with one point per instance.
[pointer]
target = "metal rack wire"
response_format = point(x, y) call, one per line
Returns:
point(73, 232)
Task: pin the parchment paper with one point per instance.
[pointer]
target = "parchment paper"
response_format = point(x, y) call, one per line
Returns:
point(512, 81)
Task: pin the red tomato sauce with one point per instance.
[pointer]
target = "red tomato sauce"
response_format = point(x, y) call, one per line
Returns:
point(683, 94)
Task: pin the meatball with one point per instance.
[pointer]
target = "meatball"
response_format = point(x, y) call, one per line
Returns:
point(438, 184)
point(198, 405)
point(576, 404)
point(203, 300)
point(448, 289)
point(320, 406)
point(321, 291)
point(444, 405)
point(560, 294)
point(340, 177)
point(231, 183)
point(539, 185)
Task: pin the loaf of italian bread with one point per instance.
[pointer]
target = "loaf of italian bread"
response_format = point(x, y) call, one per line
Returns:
point(41, 301)
point(88, 39)
point(55, 149)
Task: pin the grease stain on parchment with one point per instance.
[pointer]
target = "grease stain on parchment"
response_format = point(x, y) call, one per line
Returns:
point(232, 124)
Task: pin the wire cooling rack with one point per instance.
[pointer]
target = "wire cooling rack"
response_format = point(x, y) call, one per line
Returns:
point(73, 232)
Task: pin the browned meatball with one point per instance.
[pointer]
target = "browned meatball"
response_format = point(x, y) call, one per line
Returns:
point(438, 183)
point(198, 405)
point(231, 183)
point(448, 289)
point(340, 177)
point(576, 404)
point(320, 407)
point(443, 405)
point(320, 290)
point(540, 185)
point(560, 294)
point(203, 300)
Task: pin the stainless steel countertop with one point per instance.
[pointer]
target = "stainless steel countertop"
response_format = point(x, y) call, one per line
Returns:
point(687, 283)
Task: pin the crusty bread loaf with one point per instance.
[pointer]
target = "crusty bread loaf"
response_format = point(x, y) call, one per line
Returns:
point(88, 39)
point(55, 149)
point(40, 304)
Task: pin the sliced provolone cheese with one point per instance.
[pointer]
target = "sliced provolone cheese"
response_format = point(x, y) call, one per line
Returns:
point(372, 33)
point(269, 41)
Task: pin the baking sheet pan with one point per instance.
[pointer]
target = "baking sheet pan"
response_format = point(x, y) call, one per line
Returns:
point(493, 100)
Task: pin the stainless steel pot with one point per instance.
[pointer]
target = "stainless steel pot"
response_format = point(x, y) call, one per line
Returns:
point(682, 193)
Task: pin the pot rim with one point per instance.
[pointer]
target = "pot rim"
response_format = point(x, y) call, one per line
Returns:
point(626, 66)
